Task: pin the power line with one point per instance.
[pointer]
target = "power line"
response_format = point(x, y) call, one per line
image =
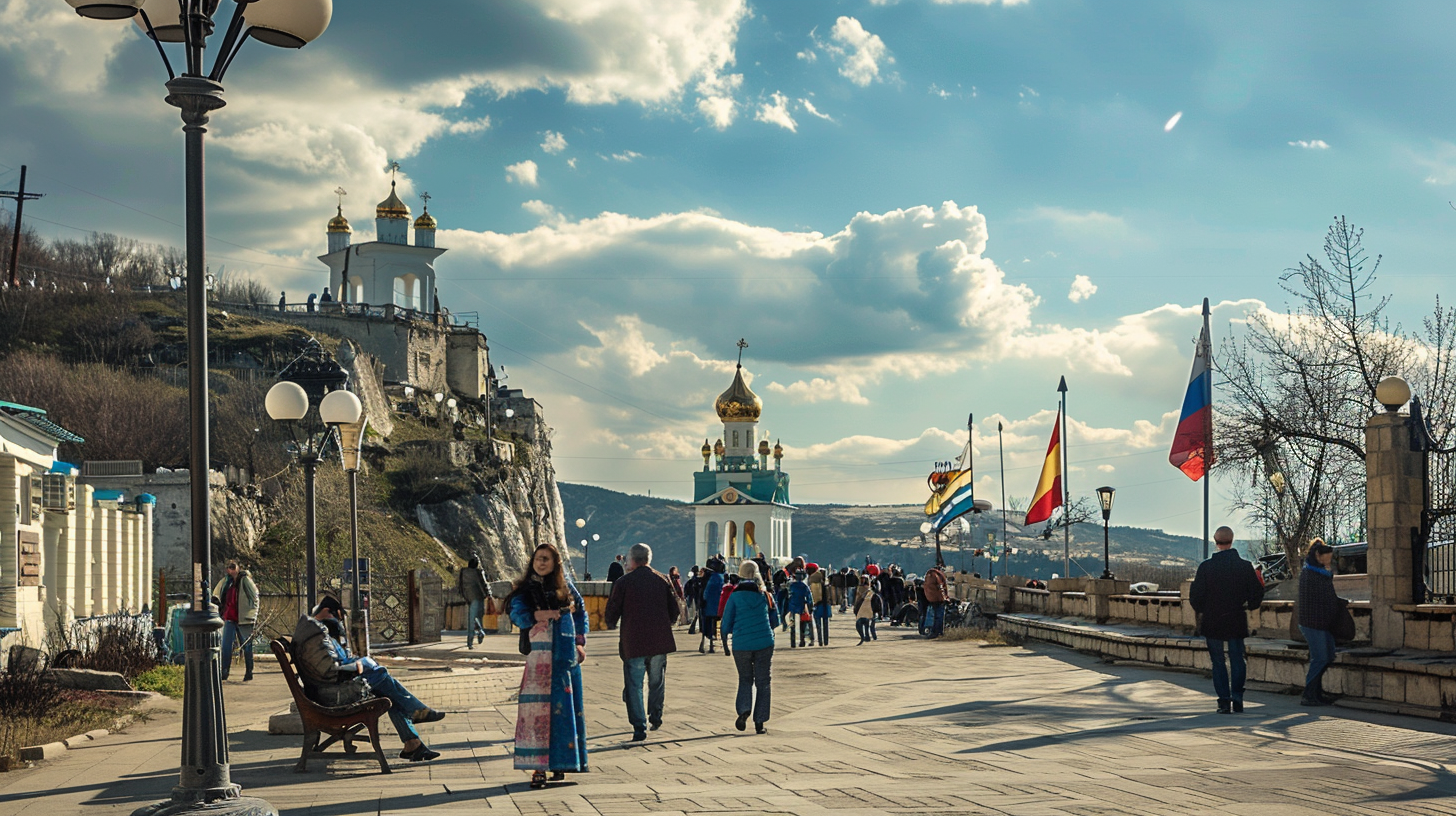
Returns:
point(158, 218)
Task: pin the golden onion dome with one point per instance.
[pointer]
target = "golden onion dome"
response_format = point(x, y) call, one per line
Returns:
point(339, 223)
point(738, 403)
point(392, 207)
point(719, 448)
point(425, 221)
point(707, 449)
point(763, 447)
point(778, 451)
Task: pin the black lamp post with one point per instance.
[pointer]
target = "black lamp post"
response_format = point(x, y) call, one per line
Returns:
point(351, 438)
point(586, 550)
point(205, 780)
point(1104, 494)
point(313, 379)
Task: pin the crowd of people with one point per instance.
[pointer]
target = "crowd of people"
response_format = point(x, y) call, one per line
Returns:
point(742, 610)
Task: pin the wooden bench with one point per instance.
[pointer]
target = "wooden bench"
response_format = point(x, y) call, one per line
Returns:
point(340, 723)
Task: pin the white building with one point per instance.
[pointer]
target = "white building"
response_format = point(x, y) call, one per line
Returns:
point(387, 270)
point(67, 551)
point(741, 505)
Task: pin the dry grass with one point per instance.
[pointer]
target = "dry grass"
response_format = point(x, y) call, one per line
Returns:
point(990, 637)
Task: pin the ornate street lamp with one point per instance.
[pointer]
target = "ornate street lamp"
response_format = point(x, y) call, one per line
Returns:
point(1104, 494)
point(586, 550)
point(205, 779)
point(288, 402)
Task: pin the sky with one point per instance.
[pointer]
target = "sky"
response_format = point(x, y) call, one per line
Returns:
point(913, 210)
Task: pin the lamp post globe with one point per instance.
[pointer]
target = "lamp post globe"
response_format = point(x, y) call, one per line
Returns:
point(339, 408)
point(286, 402)
point(289, 23)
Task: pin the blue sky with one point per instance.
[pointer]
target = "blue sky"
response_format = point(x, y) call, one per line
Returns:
point(913, 210)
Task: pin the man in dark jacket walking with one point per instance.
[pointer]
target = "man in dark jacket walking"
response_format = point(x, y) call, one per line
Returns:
point(1223, 590)
point(474, 590)
point(644, 601)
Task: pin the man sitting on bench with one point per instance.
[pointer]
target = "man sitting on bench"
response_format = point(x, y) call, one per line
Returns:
point(334, 677)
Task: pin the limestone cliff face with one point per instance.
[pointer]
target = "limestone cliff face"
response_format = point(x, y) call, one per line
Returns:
point(517, 511)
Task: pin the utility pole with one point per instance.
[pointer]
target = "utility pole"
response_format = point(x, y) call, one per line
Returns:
point(19, 197)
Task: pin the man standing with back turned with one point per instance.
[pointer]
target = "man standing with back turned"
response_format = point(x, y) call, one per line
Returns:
point(1225, 587)
point(643, 600)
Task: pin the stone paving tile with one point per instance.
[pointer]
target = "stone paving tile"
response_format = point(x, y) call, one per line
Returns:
point(955, 729)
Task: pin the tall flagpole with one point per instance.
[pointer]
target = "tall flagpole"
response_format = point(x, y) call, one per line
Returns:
point(1000, 449)
point(1066, 490)
point(1207, 350)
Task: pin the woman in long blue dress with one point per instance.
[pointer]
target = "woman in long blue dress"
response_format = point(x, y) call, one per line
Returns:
point(550, 723)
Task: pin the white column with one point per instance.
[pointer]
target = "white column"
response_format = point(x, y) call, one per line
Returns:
point(100, 565)
point(83, 533)
point(115, 572)
point(57, 567)
point(144, 537)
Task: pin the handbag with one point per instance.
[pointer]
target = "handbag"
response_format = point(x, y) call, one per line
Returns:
point(525, 641)
point(1343, 626)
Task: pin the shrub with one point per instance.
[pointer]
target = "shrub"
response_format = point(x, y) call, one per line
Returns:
point(117, 643)
point(168, 680)
point(25, 698)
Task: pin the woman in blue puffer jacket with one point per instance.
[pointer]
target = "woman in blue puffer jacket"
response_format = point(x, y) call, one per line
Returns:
point(749, 618)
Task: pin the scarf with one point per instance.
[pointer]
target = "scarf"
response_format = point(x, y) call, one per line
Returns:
point(540, 597)
point(1320, 570)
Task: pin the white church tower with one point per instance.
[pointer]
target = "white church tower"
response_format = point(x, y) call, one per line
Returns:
point(741, 505)
point(387, 270)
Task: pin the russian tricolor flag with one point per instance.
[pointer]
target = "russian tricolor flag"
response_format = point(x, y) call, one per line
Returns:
point(1193, 443)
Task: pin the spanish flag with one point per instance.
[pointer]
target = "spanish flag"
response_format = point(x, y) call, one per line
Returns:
point(1048, 495)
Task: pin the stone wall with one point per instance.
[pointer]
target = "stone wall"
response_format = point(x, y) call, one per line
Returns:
point(1423, 685)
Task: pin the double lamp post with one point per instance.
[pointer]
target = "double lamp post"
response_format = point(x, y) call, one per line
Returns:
point(205, 782)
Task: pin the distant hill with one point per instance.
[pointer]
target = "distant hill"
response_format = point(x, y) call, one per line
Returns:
point(847, 534)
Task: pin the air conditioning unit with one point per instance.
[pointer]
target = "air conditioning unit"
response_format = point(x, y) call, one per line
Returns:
point(59, 492)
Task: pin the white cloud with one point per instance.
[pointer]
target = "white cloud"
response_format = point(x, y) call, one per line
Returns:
point(61, 51)
point(717, 103)
point(813, 111)
point(1082, 288)
point(625, 156)
point(1106, 468)
point(1172, 122)
point(776, 112)
point(1441, 163)
point(956, 2)
point(861, 53)
point(544, 211)
point(571, 162)
point(553, 143)
point(523, 173)
point(1084, 224)
point(1314, 144)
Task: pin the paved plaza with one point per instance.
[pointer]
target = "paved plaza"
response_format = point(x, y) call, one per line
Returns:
point(898, 726)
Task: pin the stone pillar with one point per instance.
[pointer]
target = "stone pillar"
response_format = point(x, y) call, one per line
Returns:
point(1005, 594)
point(82, 533)
point(1394, 499)
point(1100, 591)
point(101, 550)
point(114, 566)
point(144, 538)
point(59, 566)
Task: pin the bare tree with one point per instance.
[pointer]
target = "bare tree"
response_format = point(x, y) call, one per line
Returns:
point(1300, 386)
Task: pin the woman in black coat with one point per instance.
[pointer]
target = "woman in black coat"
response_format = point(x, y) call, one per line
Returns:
point(1318, 607)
